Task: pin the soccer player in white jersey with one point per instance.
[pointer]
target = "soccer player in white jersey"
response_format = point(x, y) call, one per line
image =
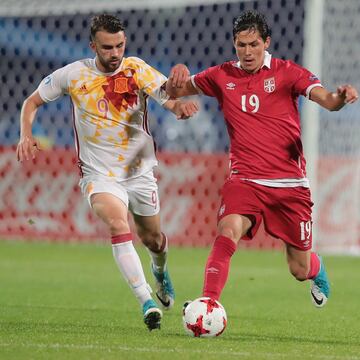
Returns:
point(115, 150)
point(258, 95)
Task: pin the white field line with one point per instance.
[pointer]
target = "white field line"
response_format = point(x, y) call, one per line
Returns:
point(176, 350)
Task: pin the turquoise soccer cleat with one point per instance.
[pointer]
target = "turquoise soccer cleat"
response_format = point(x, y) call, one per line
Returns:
point(152, 315)
point(320, 287)
point(165, 291)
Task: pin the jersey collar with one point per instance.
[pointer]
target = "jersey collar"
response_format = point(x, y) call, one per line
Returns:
point(267, 61)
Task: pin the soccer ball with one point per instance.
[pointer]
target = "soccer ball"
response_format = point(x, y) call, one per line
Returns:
point(204, 317)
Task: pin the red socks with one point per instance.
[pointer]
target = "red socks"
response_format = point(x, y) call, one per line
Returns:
point(217, 266)
point(218, 263)
point(314, 266)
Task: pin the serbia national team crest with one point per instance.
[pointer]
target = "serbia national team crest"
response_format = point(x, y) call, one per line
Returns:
point(269, 85)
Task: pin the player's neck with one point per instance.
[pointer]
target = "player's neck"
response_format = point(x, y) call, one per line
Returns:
point(252, 72)
point(103, 69)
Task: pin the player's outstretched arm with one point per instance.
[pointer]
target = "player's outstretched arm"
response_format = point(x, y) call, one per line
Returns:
point(28, 145)
point(179, 83)
point(333, 101)
point(182, 109)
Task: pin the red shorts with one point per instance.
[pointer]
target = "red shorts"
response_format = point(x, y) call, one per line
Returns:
point(286, 212)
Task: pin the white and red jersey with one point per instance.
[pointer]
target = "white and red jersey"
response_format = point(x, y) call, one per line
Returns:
point(262, 118)
point(110, 114)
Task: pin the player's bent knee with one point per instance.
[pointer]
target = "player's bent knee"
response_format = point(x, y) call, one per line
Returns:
point(229, 233)
point(300, 273)
point(152, 240)
point(234, 226)
point(118, 226)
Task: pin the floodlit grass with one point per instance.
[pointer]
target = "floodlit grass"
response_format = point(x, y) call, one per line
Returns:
point(67, 301)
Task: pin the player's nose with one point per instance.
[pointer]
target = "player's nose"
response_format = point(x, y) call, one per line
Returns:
point(247, 50)
point(115, 52)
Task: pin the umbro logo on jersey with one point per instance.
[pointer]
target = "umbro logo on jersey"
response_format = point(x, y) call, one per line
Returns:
point(269, 85)
point(230, 86)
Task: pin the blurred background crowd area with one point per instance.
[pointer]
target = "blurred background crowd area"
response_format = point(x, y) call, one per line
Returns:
point(37, 37)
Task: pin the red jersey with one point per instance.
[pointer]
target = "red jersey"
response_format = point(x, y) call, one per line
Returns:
point(262, 115)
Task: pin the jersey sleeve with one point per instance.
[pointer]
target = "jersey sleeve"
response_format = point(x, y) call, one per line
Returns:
point(205, 81)
point(151, 81)
point(304, 80)
point(54, 85)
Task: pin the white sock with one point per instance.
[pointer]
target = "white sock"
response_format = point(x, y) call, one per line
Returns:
point(159, 259)
point(128, 262)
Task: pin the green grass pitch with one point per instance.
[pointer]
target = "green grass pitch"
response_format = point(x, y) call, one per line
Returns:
point(68, 301)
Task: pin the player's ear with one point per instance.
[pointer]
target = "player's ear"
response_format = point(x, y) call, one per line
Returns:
point(267, 42)
point(234, 41)
point(92, 46)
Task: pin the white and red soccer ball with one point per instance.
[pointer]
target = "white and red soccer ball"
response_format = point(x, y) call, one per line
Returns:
point(204, 317)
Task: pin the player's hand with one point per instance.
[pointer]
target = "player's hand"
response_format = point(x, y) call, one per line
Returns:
point(179, 74)
point(348, 93)
point(187, 109)
point(27, 148)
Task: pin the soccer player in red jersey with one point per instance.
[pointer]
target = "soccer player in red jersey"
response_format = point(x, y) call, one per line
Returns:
point(258, 95)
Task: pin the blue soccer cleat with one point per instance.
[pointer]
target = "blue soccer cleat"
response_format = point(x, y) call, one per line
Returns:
point(165, 291)
point(320, 287)
point(152, 315)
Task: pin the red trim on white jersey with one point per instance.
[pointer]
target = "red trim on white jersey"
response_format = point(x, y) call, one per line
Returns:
point(145, 118)
point(145, 123)
point(77, 143)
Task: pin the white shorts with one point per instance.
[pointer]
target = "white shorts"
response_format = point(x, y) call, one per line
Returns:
point(139, 194)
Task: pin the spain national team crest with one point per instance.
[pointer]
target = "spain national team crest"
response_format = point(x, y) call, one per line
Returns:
point(121, 85)
point(269, 85)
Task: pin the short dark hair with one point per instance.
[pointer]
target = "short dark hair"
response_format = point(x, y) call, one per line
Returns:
point(107, 23)
point(251, 20)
